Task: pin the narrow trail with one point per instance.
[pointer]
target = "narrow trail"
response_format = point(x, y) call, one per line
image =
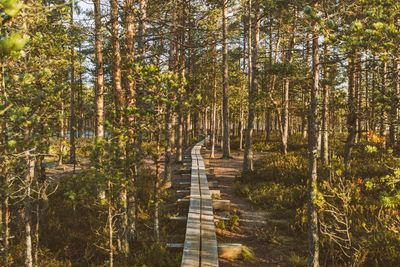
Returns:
point(253, 221)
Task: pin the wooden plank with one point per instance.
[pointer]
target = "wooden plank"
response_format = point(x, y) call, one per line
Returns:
point(191, 250)
point(221, 204)
point(230, 251)
point(174, 245)
point(209, 253)
point(200, 227)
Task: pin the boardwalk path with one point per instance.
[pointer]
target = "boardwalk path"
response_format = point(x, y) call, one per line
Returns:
point(200, 248)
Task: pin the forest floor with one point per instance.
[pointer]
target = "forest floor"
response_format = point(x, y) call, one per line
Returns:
point(253, 224)
point(253, 227)
point(55, 171)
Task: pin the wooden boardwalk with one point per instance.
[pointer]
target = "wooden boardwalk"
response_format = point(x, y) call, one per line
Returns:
point(200, 247)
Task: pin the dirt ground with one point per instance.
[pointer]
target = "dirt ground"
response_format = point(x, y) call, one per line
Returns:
point(253, 221)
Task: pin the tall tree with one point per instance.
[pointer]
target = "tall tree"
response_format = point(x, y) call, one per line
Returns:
point(99, 130)
point(312, 150)
point(72, 120)
point(351, 117)
point(286, 85)
point(169, 114)
point(325, 109)
point(248, 152)
point(116, 62)
point(182, 75)
point(226, 153)
point(130, 204)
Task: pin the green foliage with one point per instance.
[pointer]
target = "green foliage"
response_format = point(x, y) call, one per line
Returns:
point(297, 260)
point(13, 42)
point(274, 196)
point(247, 254)
point(76, 216)
point(351, 212)
point(153, 254)
point(284, 69)
point(287, 169)
point(361, 211)
point(11, 7)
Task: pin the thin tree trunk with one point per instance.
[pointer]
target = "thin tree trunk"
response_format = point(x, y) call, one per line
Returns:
point(5, 212)
point(394, 105)
point(61, 137)
point(285, 95)
point(72, 108)
point(367, 104)
point(37, 228)
point(116, 62)
point(142, 28)
point(169, 135)
point(359, 98)
point(351, 119)
point(6, 219)
point(383, 91)
point(214, 104)
point(312, 148)
point(156, 189)
point(205, 129)
point(80, 96)
point(142, 51)
point(268, 125)
point(325, 111)
point(129, 218)
point(99, 129)
point(110, 225)
point(248, 152)
point(226, 153)
point(118, 122)
point(241, 128)
point(373, 104)
point(28, 210)
point(182, 39)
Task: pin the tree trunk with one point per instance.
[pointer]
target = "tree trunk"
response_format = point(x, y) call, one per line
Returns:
point(241, 128)
point(248, 152)
point(116, 63)
point(312, 148)
point(28, 209)
point(61, 133)
point(285, 95)
point(394, 105)
point(226, 153)
point(99, 129)
point(373, 101)
point(6, 219)
point(351, 118)
point(110, 225)
point(156, 189)
point(182, 39)
point(129, 217)
point(5, 212)
point(80, 96)
point(169, 134)
point(325, 111)
point(142, 29)
point(382, 125)
point(214, 104)
point(37, 228)
point(72, 121)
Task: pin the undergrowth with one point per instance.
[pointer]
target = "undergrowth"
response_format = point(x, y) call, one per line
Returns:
point(358, 215)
